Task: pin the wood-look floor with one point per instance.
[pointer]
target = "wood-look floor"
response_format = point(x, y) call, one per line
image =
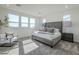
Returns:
point(26, 46)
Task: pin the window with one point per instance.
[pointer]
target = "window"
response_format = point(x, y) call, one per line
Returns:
point(24, 22)
point(67, 21)
point(13, 20)
point(44, 20)
point(16, 21)
point(32, 22)
point(66, 18)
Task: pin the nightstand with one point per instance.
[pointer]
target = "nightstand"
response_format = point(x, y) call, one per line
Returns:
point(67, 37)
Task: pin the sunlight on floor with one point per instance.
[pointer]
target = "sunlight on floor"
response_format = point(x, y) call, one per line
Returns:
point(27, 41)
point(29, 46)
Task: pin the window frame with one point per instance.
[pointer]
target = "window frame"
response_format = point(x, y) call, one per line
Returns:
point(19, 22)
point(13, 21)
point(24, 22)
point(32, 23)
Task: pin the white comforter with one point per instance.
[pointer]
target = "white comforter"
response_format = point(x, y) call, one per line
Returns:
point(47, 35)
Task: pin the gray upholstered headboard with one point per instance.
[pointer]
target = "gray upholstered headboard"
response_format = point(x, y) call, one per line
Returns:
point(54, 25)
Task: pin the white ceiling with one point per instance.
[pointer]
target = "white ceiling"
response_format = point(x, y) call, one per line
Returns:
point(39, 9)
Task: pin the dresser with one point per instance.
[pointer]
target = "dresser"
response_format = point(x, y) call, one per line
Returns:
point(68, 37)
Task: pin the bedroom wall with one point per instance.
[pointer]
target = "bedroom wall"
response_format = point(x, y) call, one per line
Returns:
point(58, 16)
point(21, 32)
point(75, 20)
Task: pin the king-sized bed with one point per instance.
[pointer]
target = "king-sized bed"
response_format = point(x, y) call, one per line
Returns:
point(50, 36)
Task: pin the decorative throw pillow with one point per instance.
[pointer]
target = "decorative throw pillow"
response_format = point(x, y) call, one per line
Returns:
point(43, 29)
point(51, 30)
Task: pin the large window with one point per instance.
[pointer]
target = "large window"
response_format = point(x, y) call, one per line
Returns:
point(20, 21)
point(32, 22)
point(67, 21)
point(24, 21)
point(13, 20)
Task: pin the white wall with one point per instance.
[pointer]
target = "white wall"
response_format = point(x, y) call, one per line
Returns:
point(20, 32)
point(74, 19)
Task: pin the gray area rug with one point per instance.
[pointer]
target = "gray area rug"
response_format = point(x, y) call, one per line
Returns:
point(62, 48)
point(27, 46)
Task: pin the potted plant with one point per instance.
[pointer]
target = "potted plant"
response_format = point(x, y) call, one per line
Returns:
point(6, 21)
point(1, 23)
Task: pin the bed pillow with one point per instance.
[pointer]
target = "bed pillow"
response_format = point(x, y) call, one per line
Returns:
point(43, 29)
point(51, 30)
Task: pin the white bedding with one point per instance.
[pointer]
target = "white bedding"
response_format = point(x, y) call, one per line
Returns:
point(47, 35)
